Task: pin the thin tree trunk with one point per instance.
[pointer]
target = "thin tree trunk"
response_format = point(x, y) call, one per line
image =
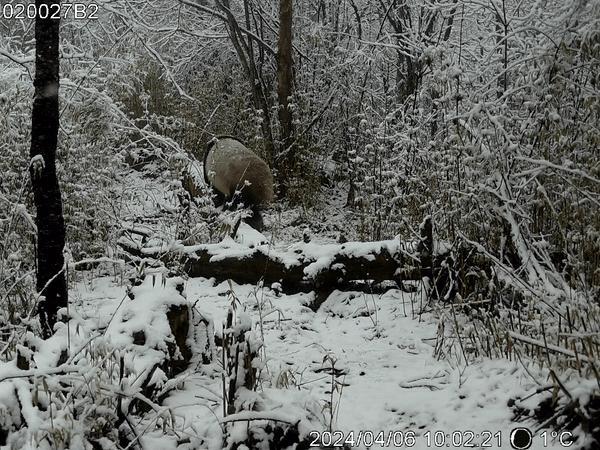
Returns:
point(285, 84)
point(51, 281)
point(450, 22)
point(246, 57)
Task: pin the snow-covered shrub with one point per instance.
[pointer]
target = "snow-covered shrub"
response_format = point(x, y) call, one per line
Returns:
point(17, 226)
point(107, 388)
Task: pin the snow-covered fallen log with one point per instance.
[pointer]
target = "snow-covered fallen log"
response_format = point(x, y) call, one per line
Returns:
point(301, 267)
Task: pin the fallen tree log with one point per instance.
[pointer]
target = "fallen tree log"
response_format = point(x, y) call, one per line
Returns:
point(303, 270)
point(322, 268)
point(303, 267)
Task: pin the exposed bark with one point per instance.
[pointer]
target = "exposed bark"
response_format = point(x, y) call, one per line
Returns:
point(238, 356)
point(363, 266)
point(501, 25)
point(285, 82)
point(400, 17)
point(190, 339)
point(425, 247)
point(179, 317)
point(51, 281)
point(341, 269)
point(358, 19)
point(450, 22)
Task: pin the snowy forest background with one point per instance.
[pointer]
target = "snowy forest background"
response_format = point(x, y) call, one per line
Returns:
point(481, 116)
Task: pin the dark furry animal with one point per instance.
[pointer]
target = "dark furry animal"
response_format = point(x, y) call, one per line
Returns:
point(238, 176)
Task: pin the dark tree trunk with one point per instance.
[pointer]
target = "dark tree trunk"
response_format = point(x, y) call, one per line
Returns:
point(285, 83)
point(450, 22)
point(51, 281)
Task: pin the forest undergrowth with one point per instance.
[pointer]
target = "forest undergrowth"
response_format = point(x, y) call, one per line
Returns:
point(487, 123)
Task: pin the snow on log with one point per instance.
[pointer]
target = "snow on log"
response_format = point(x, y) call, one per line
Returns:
point(302, 267)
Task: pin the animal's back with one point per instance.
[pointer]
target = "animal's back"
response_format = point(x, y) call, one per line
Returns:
point(229, 166)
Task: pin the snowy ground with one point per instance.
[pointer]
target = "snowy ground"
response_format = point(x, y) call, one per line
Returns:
point(382, 348)
point(390, 384)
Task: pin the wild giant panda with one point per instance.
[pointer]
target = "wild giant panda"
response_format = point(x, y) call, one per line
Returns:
point(238, 176)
